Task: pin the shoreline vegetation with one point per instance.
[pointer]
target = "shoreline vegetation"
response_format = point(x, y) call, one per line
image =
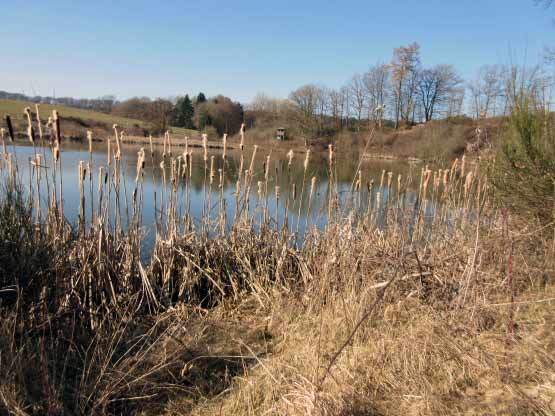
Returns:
point(435, 141)
point(441, 307)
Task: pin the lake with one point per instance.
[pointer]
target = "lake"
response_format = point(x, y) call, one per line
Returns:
point(289, 182)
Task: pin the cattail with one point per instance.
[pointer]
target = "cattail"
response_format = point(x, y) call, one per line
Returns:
point(50, 127)
point(312, 188)
point(190, 163)
point(172, 172)
point(38, 158)
point(169, 143)
point(251, 166)
point(140, 163)
point(260, 189)
point(37, 115)
point(463, 164)
point(294, 192)
point(82, 173)
point(427, 175)
point(242, 133)
point(10, 127)
point(205, 146)
point(277, 192)
point(109, 154)
point(289, 158)
point(56, 123)
point(151, 147)
point(30, 130)
point(212, 173)
point(358, 181)
point(330, 153)
point(267, 168)
point(306, 160)
point(2, 134)
point(118, 149)
point(186, 144)
point(89, 138)
point(224, 153)
point(56, 152)
point(185, 156)
point(389, 178)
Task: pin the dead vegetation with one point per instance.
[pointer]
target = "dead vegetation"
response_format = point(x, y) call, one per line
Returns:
point(442, 305)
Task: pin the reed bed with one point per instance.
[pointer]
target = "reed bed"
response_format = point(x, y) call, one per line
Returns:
point(385, 301)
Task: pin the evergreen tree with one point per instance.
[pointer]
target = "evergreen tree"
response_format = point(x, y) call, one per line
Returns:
point(184, 113)
point(201, 98)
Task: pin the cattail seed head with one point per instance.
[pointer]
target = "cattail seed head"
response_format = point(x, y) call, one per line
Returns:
point(306, 160)
point(205, 146)
point(242, 133)
point(56, 123)
point(89, 138)
point(140, 163)
point(312, 187)
point(289, 158)
point(267, 168)
point(224, 153)
point(212, 172)
point(2, 136)
point(30, 130)
point(37, 115)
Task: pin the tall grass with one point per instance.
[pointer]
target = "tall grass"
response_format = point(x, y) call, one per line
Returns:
point(394, 305)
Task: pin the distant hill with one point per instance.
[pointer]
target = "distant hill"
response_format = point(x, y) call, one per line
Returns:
point(77, 120)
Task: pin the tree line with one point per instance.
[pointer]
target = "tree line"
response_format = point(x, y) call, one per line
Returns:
point(218, 114)
point(402, 92)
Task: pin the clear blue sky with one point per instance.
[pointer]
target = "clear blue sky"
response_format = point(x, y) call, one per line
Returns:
point(238, 48)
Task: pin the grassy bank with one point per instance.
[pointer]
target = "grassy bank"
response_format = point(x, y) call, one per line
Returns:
point(441, 306)
point(77, 121)
point(437, 140)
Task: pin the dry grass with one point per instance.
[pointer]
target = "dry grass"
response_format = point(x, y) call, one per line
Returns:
point(440, 306)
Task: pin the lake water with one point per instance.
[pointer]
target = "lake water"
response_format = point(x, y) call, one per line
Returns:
point(288, 179)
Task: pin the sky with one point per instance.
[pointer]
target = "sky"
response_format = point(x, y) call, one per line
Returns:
point(166, 48)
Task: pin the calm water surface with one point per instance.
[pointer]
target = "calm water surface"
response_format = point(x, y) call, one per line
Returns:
point(345, 171)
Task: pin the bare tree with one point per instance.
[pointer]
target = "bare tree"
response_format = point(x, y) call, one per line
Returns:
point(305, 102)
point(376, 81)
point(358, 93)
point(486, 90)
point(404, 69)
point(345, 106)
point(322, 105)
point(336, 105)
point(435, 87)
point(455, 102)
